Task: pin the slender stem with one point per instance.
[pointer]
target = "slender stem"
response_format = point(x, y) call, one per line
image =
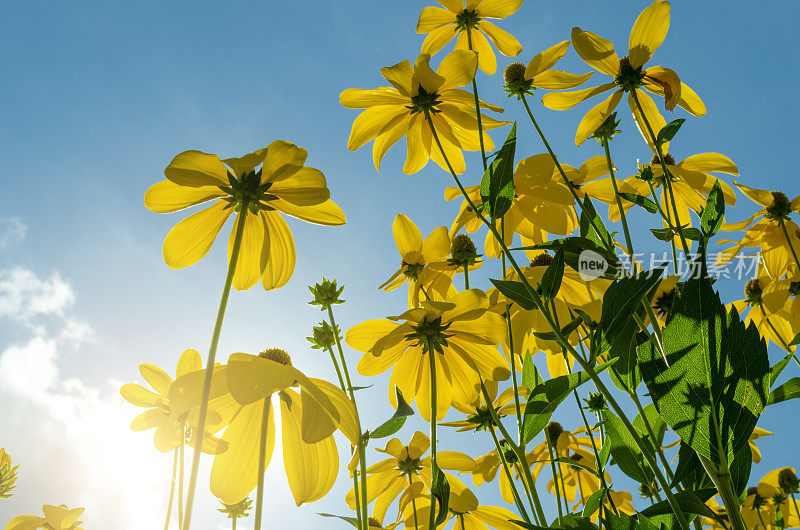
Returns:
point(171, 488)
point(362, 449)
point(199, 430)
point(180, 476)
point(262, 461)
point(555, 474)
point(623, 217)
point(760, 518)
point(600, 467)
point(413, 505)
point(233, 523)
point(782, 222)
point(461, 518)
point(721, 479)
point(434, 459)
point(513, 355)
point(477, 106)
point(796, 509)
point(514, 491)
point(666, 217)
point(466, 275)
point(651, 433)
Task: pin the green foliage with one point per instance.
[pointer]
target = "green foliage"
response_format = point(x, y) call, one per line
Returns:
point(497, 185)
point(393, 424)
point(788, 390)
point(592, 227)
point(515, 291)
point(669, 131)
point(551, 279)
point(620, 300)
point(713, 215)
point(441, 490)
point(692, 503)
point(574, 246)
point(624, 449)
point(641, 200)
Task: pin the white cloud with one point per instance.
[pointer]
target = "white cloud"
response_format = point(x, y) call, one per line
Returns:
point(24, 296)
point(12, 231)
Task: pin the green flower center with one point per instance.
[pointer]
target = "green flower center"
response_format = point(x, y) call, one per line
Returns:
point(463, 251)
point(629, 78)
point(605, 133)
point(758, 501)
point(596, 402)
point(409, 466)
point(430, 334)
point(482, 419)
point(278, 355)
point(780, 208)
point(515, 82)
point(554, 430)
point(752, 292)
point(424, 101)
point(248, 189)
point(467, 19)
point(542, 260)
point(412, 270)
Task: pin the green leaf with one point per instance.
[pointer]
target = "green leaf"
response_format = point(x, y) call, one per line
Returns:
point(656, 423)
point(625, 372)
point(624, 450)
point(593, 503)
point(497, 185)
point(641, 200)
point(565, 331)
point(717, 382)
point(570, 521)
point(777, 368)
point(689, 471)
point(441, 490)
point(575, 463)
point(621, 299)
point(713, 215)
point(592, 227)
point(663, 234)
point(574, 250)
point(628, 522)
point(669, 131)
point(544, 399)
point(691, 503)
point(531, 378)
point(795, 340)
point(788, 390)
point(693, 233)
point(515, 291)
point(740, 469)
point(551, 279)
point(393, 424)
point(352, 520)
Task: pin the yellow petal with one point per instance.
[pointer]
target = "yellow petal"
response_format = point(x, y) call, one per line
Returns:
point(436, 39)
point(373, 122)
point(282, 160)
point(191, 239)
point(186, 391)
point(654, 118)
point(61, 517)
point(26, 522)
point(417, 154)
point(648, 32)
point(419, 445)
point(196, 168)
point(399, 76)
point(596, 116)
point(463, 97)
point(449, 144)
point(455, 461)
point(558, 80)
point(310, 468)
point(546, 59)
point(498, 8)
point(139, 396)
point(149, 419)
point(235, 472)
point(495, 517)
point(356, 98)
point(252, 251)
point(247, 163)
point(454, 6)
point(761, 197)
point(690, 101)
point(166, 196)
point(486, 59)
point(348, 423)
point(407, 236)
point(281, 259)
point(596, 51)
point(710, 163)
point(326, 213)
point(506, 43)
point(665, 82)
point(424, 76)
point(387, 139)
point(252, 378)
point(434, 17)
point(567, 100)
point(362, 337)
point(190, 361)
point(458, 69)
point(307, 186)
point(536, 170)
point(437, 245)
point(157, 378)
point(320, 416)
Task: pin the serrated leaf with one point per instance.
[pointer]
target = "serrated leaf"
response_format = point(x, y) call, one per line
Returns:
point(624, 449)
point(625, 372)
point(713, 214)
point(624, 521)
point(393, 424)
point(531, 378)
point(641, 200)
point(621, 299)
point(656, 423)
point(691, 503)
point(669, 131)
point(717, 382)
point(592, 227)
point(497, 185)
point(565, 331)
point(551, 279)
point(692, 233)
point(544, 399)
point(440, 489)
point(516, 292)
point(777, 368)
point(788, 390)
point(593, 503)
point(663, 234)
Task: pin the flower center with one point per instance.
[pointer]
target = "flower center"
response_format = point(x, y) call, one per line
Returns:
point(554, 430)
point(669, 160)
point(467, 19)
point(412, 265)
point(663, 304)
point(752, 292)
point(278, 355)
point(463, 251)
point(424, 101)
point(247, 189)
point(409, 466)
point(515, 82)
point(788, 481)
point(430, 334)
point(482, 419)
point(629, 78)
point(780, 207)
point(542, 260)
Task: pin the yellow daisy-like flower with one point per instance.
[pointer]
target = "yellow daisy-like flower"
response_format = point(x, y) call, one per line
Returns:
point(478, 415)
point(55, 518)
point(758, 432)
point(171, 428)
point(763, 503)
point(563, 441)
point(766, 231)
point(628, 74)
point(539, 72)
point(460, 331)
point(424, 263)
point(407, 467)
point(8, 474)
point(467, 20)
point(281, 185)
point(489, 466)
point(400, 110)
point(773, 326)
point(308, 420)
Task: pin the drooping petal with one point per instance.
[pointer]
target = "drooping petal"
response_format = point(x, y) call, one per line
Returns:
point(196, 168)
point(665, 82)
point(506, 43)
point(558, 80)
point(761, 197)
point(166, 196)
point(458, 69)
point(306, 187)
point(546, 60)
point(281, 259)
point(388, 138)
point(399, 76)
point(438, 38)
point(191, 239)
point(487, 62)
point(139, 396)
point(596, 116)
point(373, 122)
point(463, 97)
point(432, 18)
point(498, 8)
point(567, 100)
point(321, 416)
point(356, 98)
point(325, 213)
point(648, 32)
point(235, 472)
point(253, 249)
point(407, 236)
point(156, 377)
point(436, 246)
point(348, 420)
point(417, 155)
point(710, 163)
point(190, 361)
point(281, 161)
point(596, 51)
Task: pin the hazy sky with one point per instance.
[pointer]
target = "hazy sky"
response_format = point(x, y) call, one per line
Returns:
point(99, 96)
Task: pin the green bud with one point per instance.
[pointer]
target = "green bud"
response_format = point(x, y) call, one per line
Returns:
point(463, 251)
point(326, 294)
point(595, 402)
point(324, 336)
point(235, 511)
point(606, 132)
point(788, 481)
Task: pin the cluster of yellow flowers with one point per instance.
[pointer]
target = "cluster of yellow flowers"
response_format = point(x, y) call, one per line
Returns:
point(472, 350)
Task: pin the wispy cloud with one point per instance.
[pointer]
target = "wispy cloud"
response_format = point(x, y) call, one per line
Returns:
point(12, 231)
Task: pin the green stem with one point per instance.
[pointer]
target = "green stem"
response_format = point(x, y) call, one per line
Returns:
point(477, 106)
point(262, 461)
point(651, 433)
point(782, 222)
point(760, 518)
point(555, 474)
point(514, 491)
point(180, 476)
point(171, 488)
point(513, 355)
point(623, 217)
point(721, 479)
point(212, 353)
point(796, 509)
point(466, 275)
point(434, 459)
point(413, 505)
point(665, 216)
point(233, 523)
point(362, 449)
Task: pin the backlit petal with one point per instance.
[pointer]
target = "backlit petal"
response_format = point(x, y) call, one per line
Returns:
point(166, 196)
point(252, 252)
point(432, 18)
point(458, 69)
point(399, 76)
point(596, 116)
point(567, 100)
point(596, 51)
point(190, 361)
point(191, 239)
point(326, 213)
point(373, 122)
point(546, 59)
point(281, 259)
point(648, 32)
point(498, 8)
point(438, 38)
point(558, 80)
point(139, 396)
point(506, 43)
point(156, 377)
point(196, 168)
point(356, 98)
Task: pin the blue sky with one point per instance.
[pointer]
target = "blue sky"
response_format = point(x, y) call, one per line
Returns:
point(98, 98)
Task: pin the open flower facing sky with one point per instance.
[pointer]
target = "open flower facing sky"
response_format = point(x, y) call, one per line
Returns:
point(55, 518)
point(628, 74)
point(466, 19)
point(462, 333)
point(399, 110)
point(281, 185)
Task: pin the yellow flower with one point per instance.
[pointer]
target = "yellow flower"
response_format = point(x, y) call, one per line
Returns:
point(423, 262)
point(758, 432)
point(463, 17)
point(564, 442)
point(405, 468)
point(399, 110)
point(55, 518)
point(478, 415)
point(766, 232)
point(281, 185)
point(308, 420)
point(647, 35)
point(773, 326)
point(8, 474)
point(763, 503)
point(461, 331)
point(171, 428)
point(539, 73)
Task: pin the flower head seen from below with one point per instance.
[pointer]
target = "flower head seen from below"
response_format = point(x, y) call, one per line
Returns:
point(417, 92)
point(258, 197)
point(55, 518)
point(520, 79)
point(628, 74)
point(460, 331)
point(8, 474)
point(467, 23)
